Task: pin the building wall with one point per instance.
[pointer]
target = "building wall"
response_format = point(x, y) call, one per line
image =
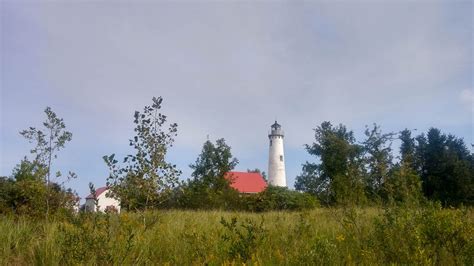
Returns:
point(104, 201)
point(276, 162)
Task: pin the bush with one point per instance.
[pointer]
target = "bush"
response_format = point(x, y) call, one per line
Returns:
point(27, 193)
point(429, 235)
point(28, 197)
point(280, 198)
point(198, 196)
point(242, 239)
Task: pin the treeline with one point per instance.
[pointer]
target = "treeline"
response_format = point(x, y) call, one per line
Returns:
point(434, 166)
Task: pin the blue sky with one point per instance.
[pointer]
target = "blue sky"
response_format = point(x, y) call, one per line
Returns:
point(228, 69)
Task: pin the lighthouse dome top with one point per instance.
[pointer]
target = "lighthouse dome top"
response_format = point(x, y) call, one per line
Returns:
point(276, 125)
point(276, 130)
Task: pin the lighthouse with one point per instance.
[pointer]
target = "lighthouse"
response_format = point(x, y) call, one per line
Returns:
point(276, 158)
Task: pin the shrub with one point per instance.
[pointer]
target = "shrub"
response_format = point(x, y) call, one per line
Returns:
point(280, 198)
point(28, 197)
point(242, 239)
point(198, 196)
point(428, 235)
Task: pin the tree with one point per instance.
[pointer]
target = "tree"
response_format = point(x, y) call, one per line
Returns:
point(338, 178)
point(25, 191)
point(213, 163)
point(48, 142)
point(378, 160)
point(404, 184)
point(310, 180)
point(407, 148)
point(446, 168)
point(147, 180)
point(27, 170)
point(209, 187)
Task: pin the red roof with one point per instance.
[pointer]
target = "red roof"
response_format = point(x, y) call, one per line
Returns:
point(97, 192)
point(247, 182)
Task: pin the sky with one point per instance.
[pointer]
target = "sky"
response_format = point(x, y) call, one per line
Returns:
point(229, 69)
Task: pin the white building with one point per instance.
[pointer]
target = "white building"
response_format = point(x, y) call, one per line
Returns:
point(104, 202)
point(276, 159)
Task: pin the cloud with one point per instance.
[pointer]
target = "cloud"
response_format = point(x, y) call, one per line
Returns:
point(229, 69)
point(467, 98)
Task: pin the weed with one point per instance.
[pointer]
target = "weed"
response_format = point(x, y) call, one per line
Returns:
point(243, 238)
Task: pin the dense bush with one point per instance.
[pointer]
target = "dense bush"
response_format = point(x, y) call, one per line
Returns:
point(429, 235)
point(27, 193)
point(198, 195)
point(279, 198)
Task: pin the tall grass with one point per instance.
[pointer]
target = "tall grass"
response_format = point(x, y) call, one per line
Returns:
point(429, 235)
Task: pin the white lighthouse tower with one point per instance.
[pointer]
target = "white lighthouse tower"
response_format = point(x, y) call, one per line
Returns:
point(276, 159)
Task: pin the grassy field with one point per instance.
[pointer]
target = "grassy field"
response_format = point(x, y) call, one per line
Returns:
point(428, 235)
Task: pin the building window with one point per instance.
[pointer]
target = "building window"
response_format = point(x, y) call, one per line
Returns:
point(281, 158)
point(270, 142)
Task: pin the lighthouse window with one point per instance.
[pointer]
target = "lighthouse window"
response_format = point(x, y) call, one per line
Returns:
point(270, 142)
point(281, 158)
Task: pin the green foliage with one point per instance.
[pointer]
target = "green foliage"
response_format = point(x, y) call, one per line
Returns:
point(424, 236)
point(407, 148)
point(209, 188)
point(309, 181)
point(322, 252)
point(27, 193)
point(213, 162)
point(6, 186)
point(197, 245)
point(49, 140)
point(279, 198)
point(338, 178)
point(93, 237)
point(403, 186)
point(27, 170)
point(241, 240)
point(446, 168)
point(378, 160)
point(329, 236)
point(348, 173)
point(146, 180)
point(47, 143)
